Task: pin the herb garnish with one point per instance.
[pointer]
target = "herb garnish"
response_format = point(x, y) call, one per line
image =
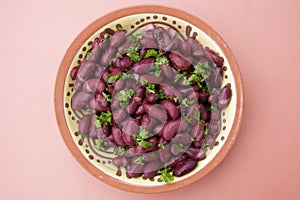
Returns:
point(103, 118)
point(166, 175)
point(124, 97)
point(139, 160)
point(141, 137)
point(150, 88)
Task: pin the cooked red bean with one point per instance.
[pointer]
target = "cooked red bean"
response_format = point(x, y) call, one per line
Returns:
point(108, 55)
point(151, 78)
point(158, 129)
point(170, 108)
point(150, 170)
point(120, 161)
point(167, 71)
point(151, 98)
point(134, 170)
point(117, 39)
point(175, 160)
point(196, 47)
point(196, 153)
point(184, 167)
point(151, 156)
point(169, 90)
point(85, 71)
point(186, 49)
point(140, 110)
point(214, 128)
point(170, 129)
point(178, 61)
point(90, 85)
point(80, 99)
point(119, 115)
point(148, 43)
point(183, 138)
point(126, 63)
point(162, 37)
point(74, 72)
point(84, 124)
point(78, 85)
point(118, 136)
point(96, 52)
point(197, 132)
point(225, 97)
point(156, 111)
point(215, 115)
point(134, 103)
point(218, 60)
point(216, 77)
point(131, 127)
point(165, 154)
point(98, 71)
point(203, 96)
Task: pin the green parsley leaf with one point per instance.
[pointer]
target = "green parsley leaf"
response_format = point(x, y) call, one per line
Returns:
point(143, 133)
point(197, 117)
point(161, 95)
point(135, 38)
point(150, 88)
point(176, 99)
point(133, 53)
point(107, 97)
point(187, 118)
point(105, 37)
point(155, 70)
point(205, 131)
point(124, 97)
point(153, 53)
point(161, 145)
point(100, 145)
point(126, 76)
point(161, 61)
point(166, 175)
point(103, 118)
point(121, 150)
point(141, 142)
point(186, 103)
point(139, 160)
point(213, 107)
point(177, 77)
point(118, 55)
point(121, 29)
point(143, 81)
point(113, 78)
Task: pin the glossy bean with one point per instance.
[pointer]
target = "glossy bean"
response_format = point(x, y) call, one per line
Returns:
point(98, 71)
point(151, 98)
point(74, 72)
point(186, 49)
point(218, 60)
point(165, 154)
point(203, 112)
point(120, 161)
point(134, 170)
point(151, 78)
point(117, 39)
point(170, 129)
point(140, 91)
point(118, 136)
point(143, 66)
point(215, 79)
point(90, 85)
point(197, 132)
point(131, 127)
point(134, 103)
point(150, 170)
point(196, 153)
point(196, 47)
point(184, 167)
point(85, 71)
point(151, 156)
point(126, 63)
point(119, 115)
point(224, 97)
point(214, 128)
point(178, 61)
point(175, 160)
point(162, 37)
point(170, 108)
point(108, 54)
point(158, 129)
point(78, 85)
point(169, 90)
point(183, 138)
point(140, 110)
point(215, 115)
point(84, 124)
point(203, 96)
point(119, 85)
point(148, 43)
point(81, 99)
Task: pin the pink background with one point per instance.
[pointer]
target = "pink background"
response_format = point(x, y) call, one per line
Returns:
point(263, 164)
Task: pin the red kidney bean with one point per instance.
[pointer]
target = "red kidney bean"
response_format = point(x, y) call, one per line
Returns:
point(150, 170)
point(165, 154)
point(156, 111)
point(197, 132)
point(186, 90)
point(210, 140)
point(98, 71)
point(169, 90)
point(80, 99)
point(172, 33)
point(149, 28)
point(196, 47)
point(215, 115)
point(153, 147)
point(96, 52)
point(183, 125)
point(192, 109)
point(131, 126)
point(214, 128)
point(118, 136)
point(121, 49)
point(105, 75)
point(134, 151)
point(126, 63)
point(170, 129)
point(175, 160)
point(78, 85)
point(102, 103)
point(140, 110)
point(119, 115)
point(140, 91)
point(151, 156)
point(74, 72)
point(116, 71)
point(175, 149)
point(119, 85)
point(178, 61)
point(218, 60)
point(170, 108)
point(120, 161)
point(203, 96)
point(134, 170)
point(158, 129)
point(143, 66)
point(183, 138)
point(130, 83)
point(167, 71)
point(134, 103)
point(194, 96)
point(203, 112)
point(128, 139)
point(162, 37)
point(84, 124)
point(151, 98)
point(106, 129)
point(198, 144)
point(85, 71)
point(224, 97)
point(186, 49)
point(117, 39)
point(90, 85)
point(184, 167)
point(108, 55)
point(148, 43)
point(196, 153)
point(172, 45)
point(151, 78)
point(147, 122)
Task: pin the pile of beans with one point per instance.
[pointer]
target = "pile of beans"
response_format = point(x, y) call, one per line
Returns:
point(153, 96)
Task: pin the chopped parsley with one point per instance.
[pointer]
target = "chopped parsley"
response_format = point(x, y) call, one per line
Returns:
point(139, 160)
point(133, 53)
point(105, 37)
point(197, 117)
point(141, 137)
point(143, 81)
point(107, 97)
point(100, 145)
point(125, 76)
point(103, 118)
point(180, 148)
point(113, 78)
point(153, 53)
point(124, 97)
point(205, 131)
point(89, 53)
point(150, 88)
point(121, 150)
point(161, 145)
point(162, 96)
point(135, 38)
point(187, 118)
point(166, 175)
point(186, 103)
